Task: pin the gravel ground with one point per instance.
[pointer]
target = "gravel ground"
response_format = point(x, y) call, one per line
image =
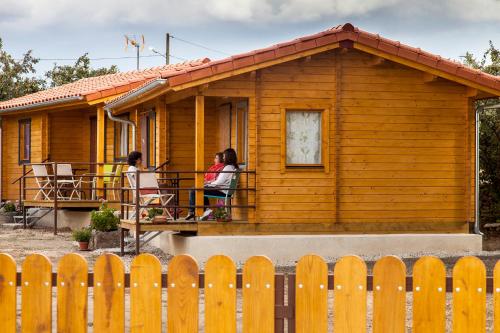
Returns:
point(20, 243)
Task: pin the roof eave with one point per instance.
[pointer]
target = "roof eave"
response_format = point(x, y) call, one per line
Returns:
point(127, 100)
point(38, 105)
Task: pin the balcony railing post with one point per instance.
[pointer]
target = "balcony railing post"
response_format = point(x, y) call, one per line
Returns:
point(22, 188)
point(56, 192)
point(137, 211)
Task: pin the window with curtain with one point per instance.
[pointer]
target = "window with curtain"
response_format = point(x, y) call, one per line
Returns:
point(303, 138)
point(24, 141)
point(121, 139)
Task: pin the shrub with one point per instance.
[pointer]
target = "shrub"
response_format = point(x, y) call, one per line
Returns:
point(9, 207)
point(83, 235)
point(104, 219)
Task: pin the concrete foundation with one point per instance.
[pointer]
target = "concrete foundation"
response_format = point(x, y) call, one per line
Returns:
point(72, 219)
point(287, 249)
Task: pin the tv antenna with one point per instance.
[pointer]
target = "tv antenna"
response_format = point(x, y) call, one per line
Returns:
point(138, 43)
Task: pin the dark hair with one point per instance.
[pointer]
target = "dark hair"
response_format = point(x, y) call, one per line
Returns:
point(220, 156)
point(230, 158)
point(133, 157)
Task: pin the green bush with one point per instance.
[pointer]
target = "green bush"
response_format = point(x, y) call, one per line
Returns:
point(104, 219)
point(9, 207)
point(82, 235)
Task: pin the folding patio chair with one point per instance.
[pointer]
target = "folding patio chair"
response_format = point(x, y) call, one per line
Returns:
point(43, 181)
point(66, 182)
point(149, 191)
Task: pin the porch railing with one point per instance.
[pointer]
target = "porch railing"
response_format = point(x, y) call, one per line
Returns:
point(91, 186)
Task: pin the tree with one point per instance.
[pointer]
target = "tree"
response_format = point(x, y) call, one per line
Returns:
point(489, 145)
point(81, 69)
point(17, 77)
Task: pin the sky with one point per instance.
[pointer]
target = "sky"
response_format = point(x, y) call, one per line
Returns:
point(65, 29)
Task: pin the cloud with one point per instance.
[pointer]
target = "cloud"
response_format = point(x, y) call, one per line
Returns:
point(33, 14)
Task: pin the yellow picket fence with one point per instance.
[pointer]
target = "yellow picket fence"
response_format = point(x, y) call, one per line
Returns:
point(263, 295)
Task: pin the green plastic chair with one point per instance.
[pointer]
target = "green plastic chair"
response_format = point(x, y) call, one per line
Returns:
point(112, 178)
point(227, 198)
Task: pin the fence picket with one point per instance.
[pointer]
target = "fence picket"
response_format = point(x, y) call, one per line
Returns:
point(258, 295)
point(349, 310)
point(72, 275)
point(109, 294)
point(8, 273)
point(389, 295)
point(182, 306)
point(220, 295)
point(36, 293)
point(429, 295)
point(469, 296)
point(145, 294)
point(496, 297)
point(311, 295)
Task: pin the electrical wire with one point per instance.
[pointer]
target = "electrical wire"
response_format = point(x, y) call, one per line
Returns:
point(199, 45)
point(108, 58)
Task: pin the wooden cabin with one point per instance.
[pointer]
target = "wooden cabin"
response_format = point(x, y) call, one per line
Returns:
point(346, 131)
point(342, 131)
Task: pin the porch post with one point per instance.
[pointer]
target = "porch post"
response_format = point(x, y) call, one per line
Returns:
point(162, 131)
point(101, 121)
point(199, 164)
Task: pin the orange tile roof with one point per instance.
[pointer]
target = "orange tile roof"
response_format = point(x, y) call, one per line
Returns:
point(346, 35)
point(93, 88)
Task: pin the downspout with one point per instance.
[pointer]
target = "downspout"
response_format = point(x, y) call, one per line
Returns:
point(124, 121)
point(129, 97)
point(477, 230)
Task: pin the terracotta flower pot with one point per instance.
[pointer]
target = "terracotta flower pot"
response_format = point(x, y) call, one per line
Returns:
point(84, 246)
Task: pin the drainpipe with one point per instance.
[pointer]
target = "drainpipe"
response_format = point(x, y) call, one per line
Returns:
point(155, 84)
point(477, 230)
point(124, 121)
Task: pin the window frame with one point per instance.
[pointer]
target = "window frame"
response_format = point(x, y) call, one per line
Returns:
point(150, 157)
point(25, 121)
point(115, 146)
point(324, 109)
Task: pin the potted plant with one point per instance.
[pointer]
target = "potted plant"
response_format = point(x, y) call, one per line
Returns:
point(156, 215)
point(8, 211)
point(105, 223)
point(83, 237)
point(221, 215)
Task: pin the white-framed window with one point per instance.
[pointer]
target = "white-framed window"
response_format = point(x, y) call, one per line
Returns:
point(121, 139)
point(304, 137)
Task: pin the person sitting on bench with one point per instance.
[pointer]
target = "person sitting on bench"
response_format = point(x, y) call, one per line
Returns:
point(218, 187)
